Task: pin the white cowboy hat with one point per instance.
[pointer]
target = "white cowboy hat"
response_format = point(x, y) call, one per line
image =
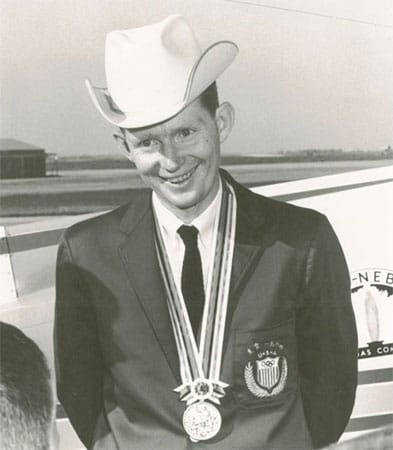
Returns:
point(155, 71)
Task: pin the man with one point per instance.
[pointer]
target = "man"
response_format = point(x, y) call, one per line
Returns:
point(27, 420)
point(203, 315)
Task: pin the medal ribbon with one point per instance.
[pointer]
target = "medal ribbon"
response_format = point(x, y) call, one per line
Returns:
point(200, 366)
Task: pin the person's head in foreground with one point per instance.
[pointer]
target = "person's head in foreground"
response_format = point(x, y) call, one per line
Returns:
point(26, 397)
point(172, 127)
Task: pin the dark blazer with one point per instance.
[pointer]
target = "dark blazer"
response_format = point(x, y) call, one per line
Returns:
point(116, 358)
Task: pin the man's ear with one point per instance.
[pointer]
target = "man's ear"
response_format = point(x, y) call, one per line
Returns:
point(225, 119)
point(122, 144)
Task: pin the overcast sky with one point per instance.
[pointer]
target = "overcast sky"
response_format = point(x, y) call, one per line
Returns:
point(300, 80)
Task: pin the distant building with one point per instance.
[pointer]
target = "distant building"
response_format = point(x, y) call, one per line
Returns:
point(21, 160)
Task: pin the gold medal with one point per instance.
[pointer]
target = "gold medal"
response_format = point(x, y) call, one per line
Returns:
point(201, 421)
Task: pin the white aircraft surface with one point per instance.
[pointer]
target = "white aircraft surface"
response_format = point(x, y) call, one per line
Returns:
point(359, 206)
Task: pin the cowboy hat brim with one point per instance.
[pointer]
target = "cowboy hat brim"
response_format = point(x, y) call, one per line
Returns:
point(209, 66)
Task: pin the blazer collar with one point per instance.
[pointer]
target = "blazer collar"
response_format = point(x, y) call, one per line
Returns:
point(250, 242)
point(136, 211)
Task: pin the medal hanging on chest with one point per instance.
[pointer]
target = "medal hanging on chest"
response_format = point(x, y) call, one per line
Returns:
point(200, 365)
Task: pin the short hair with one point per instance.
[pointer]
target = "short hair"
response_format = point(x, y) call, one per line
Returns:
point(26, 397)
point(209, 99)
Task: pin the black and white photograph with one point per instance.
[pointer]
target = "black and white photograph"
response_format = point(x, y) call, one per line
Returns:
point(196, 247)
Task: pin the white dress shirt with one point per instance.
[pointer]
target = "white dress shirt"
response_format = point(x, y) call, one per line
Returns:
point(206, 223)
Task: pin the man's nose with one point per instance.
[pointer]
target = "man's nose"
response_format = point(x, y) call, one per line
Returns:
point(171, 158)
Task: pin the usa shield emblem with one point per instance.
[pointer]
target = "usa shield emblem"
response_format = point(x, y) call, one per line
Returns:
point(266, 372)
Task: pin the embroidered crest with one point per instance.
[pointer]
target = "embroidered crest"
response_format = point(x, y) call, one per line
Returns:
point(266, 372)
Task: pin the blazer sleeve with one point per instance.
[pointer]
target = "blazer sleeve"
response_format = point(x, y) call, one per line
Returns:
point(327, 339)
point(78, 360)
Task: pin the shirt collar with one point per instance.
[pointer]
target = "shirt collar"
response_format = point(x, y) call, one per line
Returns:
point(205, 222)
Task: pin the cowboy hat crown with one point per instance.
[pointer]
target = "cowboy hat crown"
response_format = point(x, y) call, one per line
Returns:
point(153, 72)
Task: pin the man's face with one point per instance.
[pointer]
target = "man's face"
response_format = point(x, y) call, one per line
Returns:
point(179, 158)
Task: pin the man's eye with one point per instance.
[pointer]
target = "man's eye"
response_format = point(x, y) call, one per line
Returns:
point(147, 143)
point(185, 132)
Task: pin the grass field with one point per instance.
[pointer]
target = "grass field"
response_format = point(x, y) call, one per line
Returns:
point(82, 191)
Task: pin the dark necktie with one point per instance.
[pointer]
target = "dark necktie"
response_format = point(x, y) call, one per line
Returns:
point(192, 276)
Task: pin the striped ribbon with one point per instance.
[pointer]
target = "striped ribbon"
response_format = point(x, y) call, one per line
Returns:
point(200, 366)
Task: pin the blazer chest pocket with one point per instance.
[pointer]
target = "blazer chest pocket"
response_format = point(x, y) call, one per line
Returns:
point(265, 365)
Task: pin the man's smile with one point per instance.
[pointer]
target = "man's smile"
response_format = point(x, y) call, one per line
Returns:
point(181, 179)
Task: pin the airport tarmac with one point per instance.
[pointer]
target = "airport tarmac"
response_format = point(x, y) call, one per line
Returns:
point(84, 191)
point(112, 179)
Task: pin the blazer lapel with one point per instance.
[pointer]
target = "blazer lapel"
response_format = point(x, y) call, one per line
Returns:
point(245, 252)
point(250, 241)
point(249, 221)
point(138, 254)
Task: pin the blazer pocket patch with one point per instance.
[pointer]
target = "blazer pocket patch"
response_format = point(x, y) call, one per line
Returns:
point(266, 372)
point(265, 365)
